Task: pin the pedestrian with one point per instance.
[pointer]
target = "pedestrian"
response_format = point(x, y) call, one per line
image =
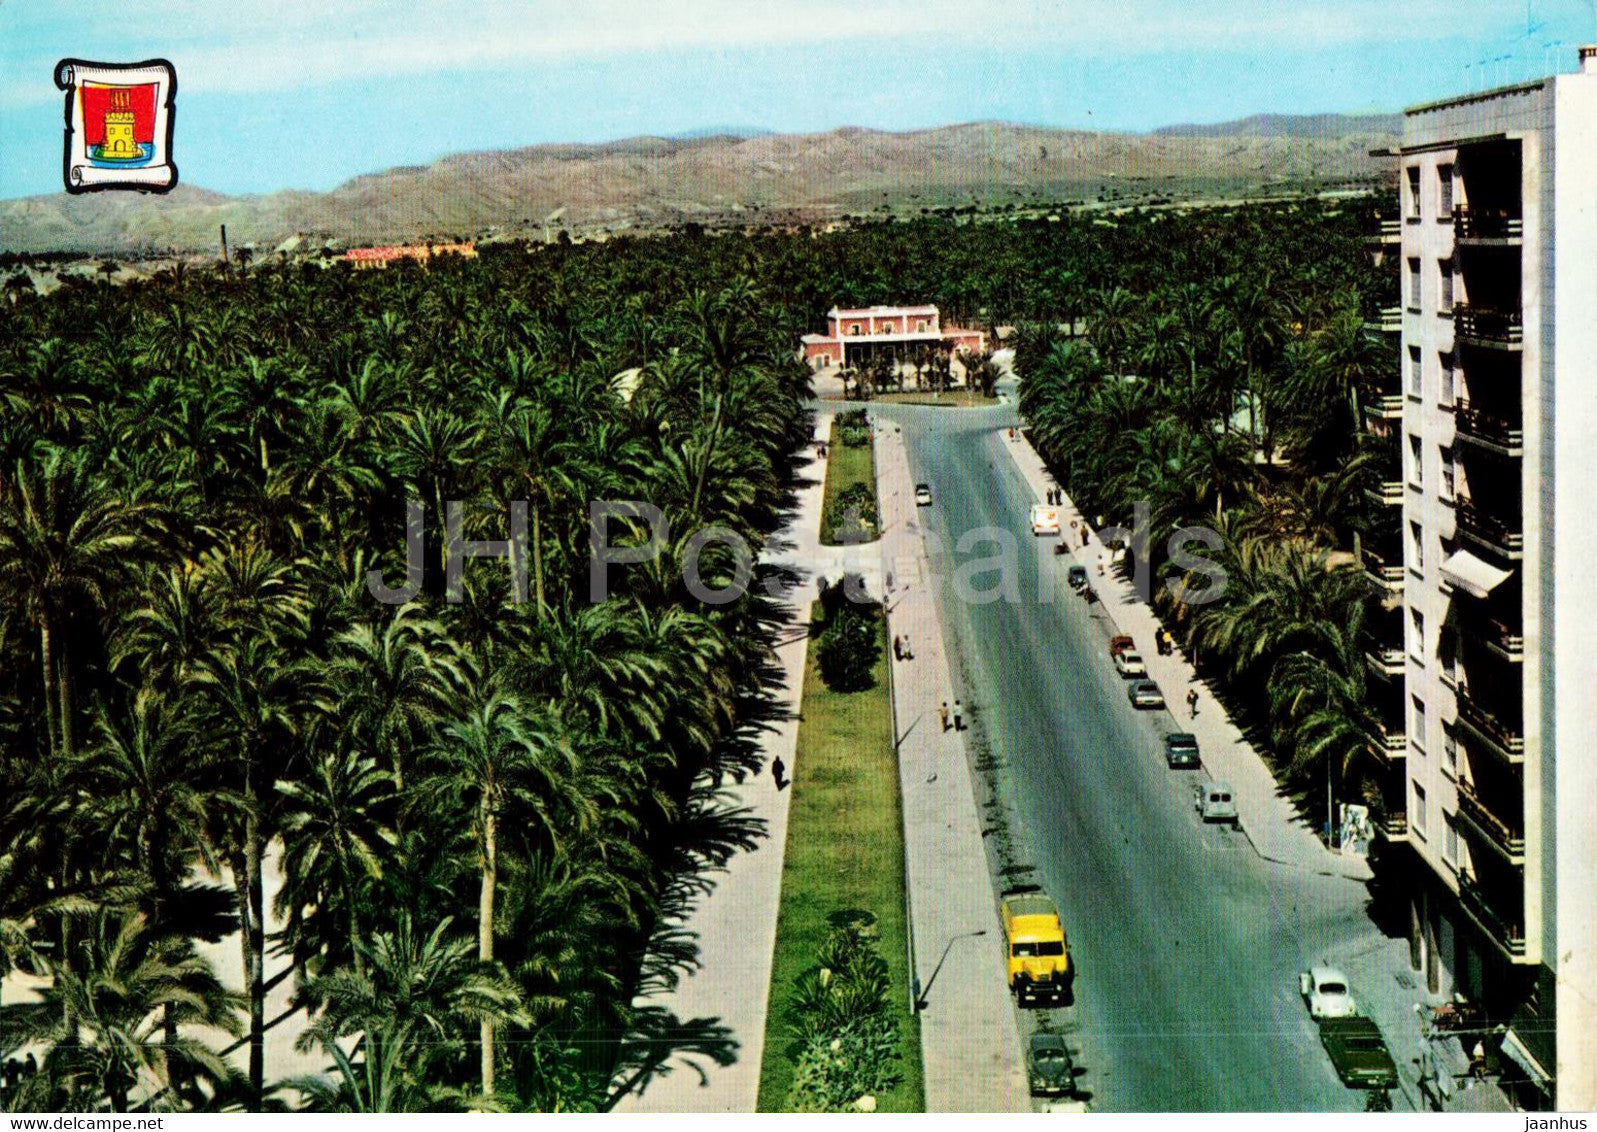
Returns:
point(1192, 701)
point(1084, 536)
point(959, 716)
point(898, 648)
point(778, 769)
point(909, 653)
point(942, 714)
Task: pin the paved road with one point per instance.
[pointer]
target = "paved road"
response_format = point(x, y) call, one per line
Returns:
point(1187, 943)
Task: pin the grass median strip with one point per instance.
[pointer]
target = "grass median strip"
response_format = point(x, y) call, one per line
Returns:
point(850, 482)
point(845, 855)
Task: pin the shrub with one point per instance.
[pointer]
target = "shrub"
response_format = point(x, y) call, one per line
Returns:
point(846, 652)
point(842, 1019)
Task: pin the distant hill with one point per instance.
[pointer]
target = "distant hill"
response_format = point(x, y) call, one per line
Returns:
point(646, 183)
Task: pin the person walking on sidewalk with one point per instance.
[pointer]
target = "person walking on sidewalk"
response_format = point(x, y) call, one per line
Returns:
point(778, 771)
point(908, 653)
point(959, 716)
point(898, 648)
point(1192, 701)
point(942, 714)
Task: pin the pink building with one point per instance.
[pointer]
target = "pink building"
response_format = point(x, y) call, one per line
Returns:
point(856, 334)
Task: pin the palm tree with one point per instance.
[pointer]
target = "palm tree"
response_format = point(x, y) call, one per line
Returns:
point(497, 758)
point(104, 1015)
point(403, 1014)
point(65, 542)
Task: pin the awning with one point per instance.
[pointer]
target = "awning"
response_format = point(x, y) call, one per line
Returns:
point(1474, 576)
point(1522, 1057)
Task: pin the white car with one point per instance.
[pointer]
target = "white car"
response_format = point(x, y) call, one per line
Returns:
point(1214, 803)
point(1044, 519)
point(923, 495)
point(1324, 990)
point(1128, 662)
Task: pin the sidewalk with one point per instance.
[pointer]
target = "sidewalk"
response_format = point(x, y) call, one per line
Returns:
point(1269, 819)
point(706, 1033)
point(970, 1040)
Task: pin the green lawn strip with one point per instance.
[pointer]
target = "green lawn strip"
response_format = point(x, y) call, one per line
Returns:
point(953, 399)
point(845, 849)
point(845, 466)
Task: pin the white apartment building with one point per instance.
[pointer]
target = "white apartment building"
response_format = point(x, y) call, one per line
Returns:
point(1489, 577)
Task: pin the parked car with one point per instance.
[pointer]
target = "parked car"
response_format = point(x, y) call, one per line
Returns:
point(1044, 519)
point(923, 495)
point(1050, 1066)
point(1128, 662)
point(1358, 1052)
point(1181, 750)
point(1144, 694)
point(1120, 644)
point(1077, 576)
point(1214, 802)
point(1324, 991)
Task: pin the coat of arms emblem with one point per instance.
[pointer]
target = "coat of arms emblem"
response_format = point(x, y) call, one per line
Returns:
point(118, 125)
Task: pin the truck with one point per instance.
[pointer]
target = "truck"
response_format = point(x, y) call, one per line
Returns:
point(1358, 1052)
point(1044, 519)
point(1038, 956)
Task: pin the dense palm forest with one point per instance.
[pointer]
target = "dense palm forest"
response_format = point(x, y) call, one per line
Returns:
point(481, 807)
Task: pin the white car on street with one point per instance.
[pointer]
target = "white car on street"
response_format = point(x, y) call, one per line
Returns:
point(1044, 519)
point(923, 495)
point(1128, 662)
point(1324, 990)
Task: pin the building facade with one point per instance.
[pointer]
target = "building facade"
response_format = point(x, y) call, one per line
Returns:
point(856, 334)
point(1487, 575)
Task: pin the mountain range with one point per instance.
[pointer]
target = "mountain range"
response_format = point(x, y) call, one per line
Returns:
point(726, 179)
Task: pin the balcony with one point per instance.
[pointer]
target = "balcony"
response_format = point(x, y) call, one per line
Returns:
point(1389, 743)
point(1394, 827)
point(1384, 659)
point(1491, 532)
point(1502, 638)
point(1488, 826)
point(1489, 431)
point(1506, 739)
point(1388, 492)
point(1486, 226)
point(1506, 934)
point(1387, 320)
point(1484, 326)
point(1385, 407)
point(1388, 230)
point(1384, 573)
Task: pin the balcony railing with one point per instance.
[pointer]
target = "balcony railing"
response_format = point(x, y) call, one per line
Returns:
point(1506, 738)
point(1483, 324)
point(1387, 320)
point(1384, 572)
point(1476, 224)
point(1502, 638)
point(1385, 659)
point(1489, 430)
point(1490, 531)
point(1388, 743)
point(1507, 934)
point(1394, 827)
point(1387, 492)
point(1385, 406)
point(1388, 230)
point(1493, 828)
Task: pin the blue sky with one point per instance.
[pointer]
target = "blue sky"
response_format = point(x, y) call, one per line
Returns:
point(283, 94)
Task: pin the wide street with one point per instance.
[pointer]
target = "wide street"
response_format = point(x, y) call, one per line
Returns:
point(1187, 943)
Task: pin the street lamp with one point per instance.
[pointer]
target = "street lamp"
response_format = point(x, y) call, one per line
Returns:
point(921, 993)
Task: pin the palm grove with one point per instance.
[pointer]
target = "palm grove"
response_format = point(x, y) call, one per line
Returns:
point(480, 808)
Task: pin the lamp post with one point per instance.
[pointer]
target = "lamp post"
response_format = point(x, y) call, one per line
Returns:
point(921, 993)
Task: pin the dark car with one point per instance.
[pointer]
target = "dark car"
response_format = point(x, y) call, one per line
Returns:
point(1077, 577)
point(1181, 750)
point(1048, 1066)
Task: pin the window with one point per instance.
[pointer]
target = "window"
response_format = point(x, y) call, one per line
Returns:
point(1413, 192)
point(1416, 624)
point(1444, 192)
point(1416, 372)
point(1448, 390)
point(1448, 473)
point(920, 326)
point(1419, 810)
point(1414, 284)
point(1416, 462)
point(1449, 840)
point(1418, 728)
point(1444, 298)
point(1449, 749)
point(1417, 545)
